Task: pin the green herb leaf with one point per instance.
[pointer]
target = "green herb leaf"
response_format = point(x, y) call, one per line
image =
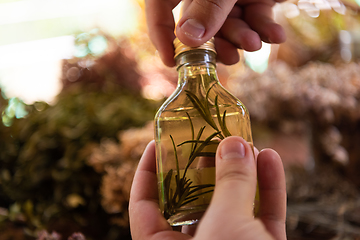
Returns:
point(223, 126)
point(202, 109)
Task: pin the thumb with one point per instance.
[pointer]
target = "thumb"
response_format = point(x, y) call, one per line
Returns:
point(230, 214)
point(201, 20)
point(231, 207)
point(235, 185)
point(235, 176)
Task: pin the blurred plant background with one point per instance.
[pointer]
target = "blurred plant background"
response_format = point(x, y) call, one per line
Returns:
point(80, 83)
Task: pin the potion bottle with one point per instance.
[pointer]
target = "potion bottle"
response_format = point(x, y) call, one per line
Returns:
point(188, 128)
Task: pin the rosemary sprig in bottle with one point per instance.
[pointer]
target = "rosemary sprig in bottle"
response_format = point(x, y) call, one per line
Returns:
point(185, 192)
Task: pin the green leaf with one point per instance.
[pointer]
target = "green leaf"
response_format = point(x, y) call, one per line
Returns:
point(199, 194)
point(221, 123)
point(176, 158)
point(197, 141)
point(192, 130)
point(200, 187)
point(198, 150)
point(188, 201)
point(203, 109)
point(197, 103)
point(224, 128)
point(212, 142)
point(167, 181)
point(207, 108)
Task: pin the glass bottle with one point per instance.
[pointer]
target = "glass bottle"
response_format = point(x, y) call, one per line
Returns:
point(188, 128)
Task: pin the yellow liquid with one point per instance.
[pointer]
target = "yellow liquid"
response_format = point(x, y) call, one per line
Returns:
point(202, 170)
point(193, 211)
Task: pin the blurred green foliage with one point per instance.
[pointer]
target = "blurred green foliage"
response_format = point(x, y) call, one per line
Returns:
point(43, 156)
point(45, 182)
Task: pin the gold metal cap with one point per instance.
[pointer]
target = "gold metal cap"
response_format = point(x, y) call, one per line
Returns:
point(180, 47)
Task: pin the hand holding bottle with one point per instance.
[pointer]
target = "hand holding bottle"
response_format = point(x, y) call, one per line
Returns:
point(234, 23)
point(230, 214)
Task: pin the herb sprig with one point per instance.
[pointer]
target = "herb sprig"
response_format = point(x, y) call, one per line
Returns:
point(185, 191)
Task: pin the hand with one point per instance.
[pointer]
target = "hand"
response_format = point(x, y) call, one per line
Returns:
point(234, 23)
point(230, 213)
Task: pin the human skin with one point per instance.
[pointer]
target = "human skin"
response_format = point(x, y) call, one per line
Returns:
point(234, 23)
point(230, 213)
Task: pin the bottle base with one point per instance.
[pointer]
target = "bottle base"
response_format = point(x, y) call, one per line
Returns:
point(186, 218)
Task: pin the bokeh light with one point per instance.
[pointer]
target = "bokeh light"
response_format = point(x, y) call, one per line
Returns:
point(36, 35)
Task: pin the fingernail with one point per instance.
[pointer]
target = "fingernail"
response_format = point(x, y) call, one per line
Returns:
point(232, 150)
point(193, 28)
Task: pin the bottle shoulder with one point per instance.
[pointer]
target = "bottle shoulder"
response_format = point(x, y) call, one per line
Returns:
point(185, 99)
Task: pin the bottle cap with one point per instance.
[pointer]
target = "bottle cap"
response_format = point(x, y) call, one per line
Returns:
point(180, 47)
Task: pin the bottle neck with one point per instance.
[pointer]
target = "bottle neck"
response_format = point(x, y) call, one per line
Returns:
point(196, 70)
point(199, 58)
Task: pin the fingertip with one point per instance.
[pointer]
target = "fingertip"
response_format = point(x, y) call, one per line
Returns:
point(192, 28)
point(256, 153)
point(259, 17)
point(191, 31)
point(268, 153)
point(270, 169)
point(227, 53)
point(235, 159)
point(147, 160)
point(249, 40)
point(189, 39)
point(167, 58)
point(232, 148)
point(201, 20)
point(277, 34)
point(165, 50)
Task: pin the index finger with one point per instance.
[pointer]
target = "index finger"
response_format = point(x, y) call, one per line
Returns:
point(259, 16)
point(272, 189)
point(161, 25)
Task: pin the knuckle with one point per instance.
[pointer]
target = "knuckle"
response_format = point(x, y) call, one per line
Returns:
point(210, 4)
point(273, 217)
point(254, 230)
point(215, 3)
point(233, 175)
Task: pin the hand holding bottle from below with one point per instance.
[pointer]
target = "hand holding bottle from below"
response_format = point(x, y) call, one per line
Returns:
point(228, 216)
